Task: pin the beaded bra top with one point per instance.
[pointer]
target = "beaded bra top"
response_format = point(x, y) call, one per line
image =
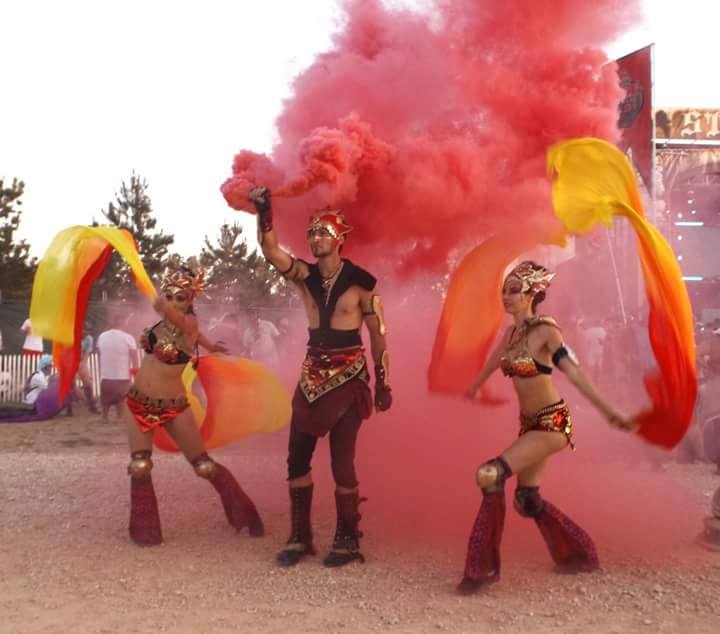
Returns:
point(168, 344)
point(517, 360)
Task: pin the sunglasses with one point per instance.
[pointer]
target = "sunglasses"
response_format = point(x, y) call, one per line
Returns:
point(319, 233)
point(181, 298)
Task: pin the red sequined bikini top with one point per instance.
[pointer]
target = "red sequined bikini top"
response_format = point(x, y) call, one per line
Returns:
point(168, 344)
point(521, 363)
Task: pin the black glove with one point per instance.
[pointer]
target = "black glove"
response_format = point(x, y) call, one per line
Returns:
point(383, 393)
point(261, 198)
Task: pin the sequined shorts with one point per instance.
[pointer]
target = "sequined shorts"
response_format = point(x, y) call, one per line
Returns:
point(555, 417)
point(153, 412)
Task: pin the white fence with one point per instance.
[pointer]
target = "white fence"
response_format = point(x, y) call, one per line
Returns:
point(15, 369)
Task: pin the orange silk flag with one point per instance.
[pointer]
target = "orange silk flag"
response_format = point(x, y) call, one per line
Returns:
point(65, 276)
point(594, 182)
point(243, 398)
point(473, 310)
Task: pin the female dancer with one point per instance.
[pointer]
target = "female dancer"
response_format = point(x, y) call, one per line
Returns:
point(157, 398)
point(524, 354)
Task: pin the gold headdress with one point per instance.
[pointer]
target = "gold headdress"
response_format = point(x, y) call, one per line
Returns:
point(333, 221)
point(184, 279)
point(533, 277)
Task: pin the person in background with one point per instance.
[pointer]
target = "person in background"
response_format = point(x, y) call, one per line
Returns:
point(86, 348)
point(33, 345)
point(39, 398)
point(38, 380)
point(259, 339)
point(710, 537)
point(594, 337)
point(118, 356)
point(228, 331)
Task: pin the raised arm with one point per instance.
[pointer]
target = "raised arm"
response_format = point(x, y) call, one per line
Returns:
point(285, 263)
point(188, 324)
point(564, 359)
point(372, 310)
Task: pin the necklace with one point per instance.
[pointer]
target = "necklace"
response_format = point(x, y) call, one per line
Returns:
point(327, 282)
point(521, 332)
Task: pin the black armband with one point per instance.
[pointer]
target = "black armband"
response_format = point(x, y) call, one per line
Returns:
point(562, 352)
point(289, 269)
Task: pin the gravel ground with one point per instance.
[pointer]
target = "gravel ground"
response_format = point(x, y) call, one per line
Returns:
point(68, 565)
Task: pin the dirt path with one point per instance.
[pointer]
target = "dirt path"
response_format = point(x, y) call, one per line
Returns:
point(67, 565)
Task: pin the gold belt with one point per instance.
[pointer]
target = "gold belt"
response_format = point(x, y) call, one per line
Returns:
point(325, 370)
point(179, 402)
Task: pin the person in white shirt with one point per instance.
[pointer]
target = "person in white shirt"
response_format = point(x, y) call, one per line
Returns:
point(118, 356)
point(594, 341)
point(259, 340)
point(33, 345)
point(38, 381)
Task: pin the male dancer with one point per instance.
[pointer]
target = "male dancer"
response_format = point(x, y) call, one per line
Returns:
point(333, 393)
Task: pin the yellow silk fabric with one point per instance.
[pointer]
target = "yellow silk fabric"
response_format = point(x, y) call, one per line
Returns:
point(594, 182)
point(61, 271)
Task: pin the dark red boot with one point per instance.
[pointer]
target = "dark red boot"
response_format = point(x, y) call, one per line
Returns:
point(482, 565)
point(239, 508)
point(300, 542)
point(144, 516)
point(346, 545)
point(571, 548)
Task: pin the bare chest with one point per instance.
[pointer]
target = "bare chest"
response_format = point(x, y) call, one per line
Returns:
point(345, 312)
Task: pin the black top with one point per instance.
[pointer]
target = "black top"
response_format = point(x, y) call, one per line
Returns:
point(350, 275)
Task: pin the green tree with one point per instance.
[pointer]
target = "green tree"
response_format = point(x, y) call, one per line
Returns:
point(16, 266)
point(234, 275)
point(132, 210)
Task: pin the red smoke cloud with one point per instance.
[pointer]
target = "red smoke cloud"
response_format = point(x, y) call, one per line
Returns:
point(431, 129)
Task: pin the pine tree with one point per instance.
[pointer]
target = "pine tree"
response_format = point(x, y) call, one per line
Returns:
point(16, 266)
point(132, 210)
point(234, 275)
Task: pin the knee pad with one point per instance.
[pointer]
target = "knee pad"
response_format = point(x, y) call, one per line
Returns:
point(140, 464)
point(491, 476)
point(205, 466)
point(528, 502)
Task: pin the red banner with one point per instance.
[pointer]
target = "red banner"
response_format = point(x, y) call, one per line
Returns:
point(636, 111)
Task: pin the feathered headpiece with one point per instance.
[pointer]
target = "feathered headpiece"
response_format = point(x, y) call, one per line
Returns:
point(184, 279)
point(533, 277)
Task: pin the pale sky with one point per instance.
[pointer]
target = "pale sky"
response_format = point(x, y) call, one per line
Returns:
point(93, 90)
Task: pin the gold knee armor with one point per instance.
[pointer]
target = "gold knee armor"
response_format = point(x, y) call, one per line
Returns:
point(141, 465)
point(205, 469)
point(491, 476)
